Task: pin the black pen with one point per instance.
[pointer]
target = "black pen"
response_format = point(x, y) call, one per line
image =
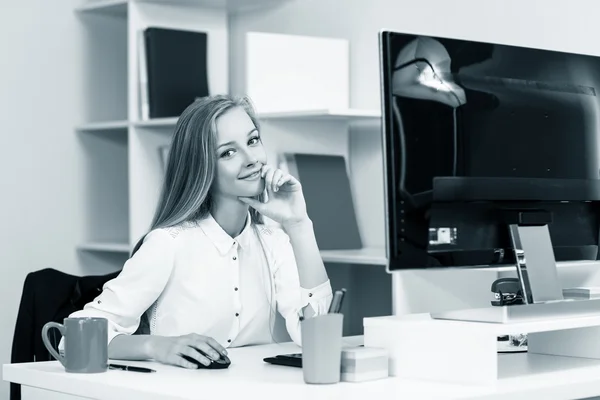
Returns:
point(336, 302)
point(130, 368)
point(339, 303)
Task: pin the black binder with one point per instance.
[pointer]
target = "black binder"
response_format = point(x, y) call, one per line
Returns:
point(328, 195)
point(176, 62)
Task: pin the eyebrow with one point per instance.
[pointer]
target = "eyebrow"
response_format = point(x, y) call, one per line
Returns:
point(232, 142)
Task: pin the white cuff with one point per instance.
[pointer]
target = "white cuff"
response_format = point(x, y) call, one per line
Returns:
point(318, 297)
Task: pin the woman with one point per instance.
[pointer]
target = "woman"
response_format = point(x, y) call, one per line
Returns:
point(210, 274)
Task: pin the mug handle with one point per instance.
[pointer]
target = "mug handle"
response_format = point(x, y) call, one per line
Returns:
point(46, 341)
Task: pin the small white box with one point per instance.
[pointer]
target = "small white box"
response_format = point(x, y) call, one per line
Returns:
point(361, 364)
point(297, 73)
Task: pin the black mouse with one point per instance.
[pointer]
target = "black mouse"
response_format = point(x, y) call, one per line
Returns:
point(222, 363)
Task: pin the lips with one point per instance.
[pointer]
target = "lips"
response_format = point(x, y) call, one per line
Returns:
point(251, 175)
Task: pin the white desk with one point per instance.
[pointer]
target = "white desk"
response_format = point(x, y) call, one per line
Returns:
point(249, 376)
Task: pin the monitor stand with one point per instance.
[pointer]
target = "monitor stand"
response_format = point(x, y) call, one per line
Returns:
point(536, 266)
point(538, 277)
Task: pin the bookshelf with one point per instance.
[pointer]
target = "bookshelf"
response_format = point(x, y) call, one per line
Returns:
point(123, 170)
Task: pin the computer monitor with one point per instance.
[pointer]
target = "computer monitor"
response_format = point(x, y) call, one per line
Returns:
point(482, 139)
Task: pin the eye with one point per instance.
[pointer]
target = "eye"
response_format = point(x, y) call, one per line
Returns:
point(227, 153)
point(254, 140)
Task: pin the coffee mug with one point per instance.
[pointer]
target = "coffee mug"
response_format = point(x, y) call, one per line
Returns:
point(85, 344)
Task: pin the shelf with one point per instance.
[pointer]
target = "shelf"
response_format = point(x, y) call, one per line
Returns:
point(232, 6)
point(103, 126)
point(350, 115)
point(370, 256)
point(115, 247)
point(113, 8)
point(157, 123)
point(118, 8)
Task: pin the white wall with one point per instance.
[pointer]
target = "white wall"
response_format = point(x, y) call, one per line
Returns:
point(552, 24)
point(40, 101)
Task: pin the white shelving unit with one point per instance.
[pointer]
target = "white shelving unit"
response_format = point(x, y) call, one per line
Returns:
point(124, 173)
point(107, 247)
point(122, 170)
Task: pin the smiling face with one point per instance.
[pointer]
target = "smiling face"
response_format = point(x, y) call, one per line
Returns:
point(240, 156)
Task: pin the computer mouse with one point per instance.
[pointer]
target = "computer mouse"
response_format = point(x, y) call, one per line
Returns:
point(222, 363)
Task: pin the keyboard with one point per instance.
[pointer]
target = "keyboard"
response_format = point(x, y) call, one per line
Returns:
point(289, 360)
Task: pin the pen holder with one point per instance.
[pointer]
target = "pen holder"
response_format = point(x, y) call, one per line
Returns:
point(322, 348)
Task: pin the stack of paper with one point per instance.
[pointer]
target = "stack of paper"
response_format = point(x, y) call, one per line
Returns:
point(582, 293)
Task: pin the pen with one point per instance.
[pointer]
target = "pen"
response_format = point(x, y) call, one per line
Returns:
point(336, 302)
point(339, 304)
point(130, 368)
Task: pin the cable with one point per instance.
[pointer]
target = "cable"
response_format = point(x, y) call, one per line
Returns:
point(455, 128)
point(454, 165)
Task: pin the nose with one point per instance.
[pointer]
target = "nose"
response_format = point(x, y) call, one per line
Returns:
point(251, 158)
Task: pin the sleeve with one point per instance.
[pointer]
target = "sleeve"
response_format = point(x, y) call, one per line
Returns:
point(143, 278)
point(291, 298)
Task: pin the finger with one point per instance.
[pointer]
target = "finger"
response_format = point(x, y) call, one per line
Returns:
point(283, 179)
point(263, 173)
point(251, 202)
point(277, 175)
point(269, 179)
point(205, 348)
point(194, 355)
point(265, 168)
point(287, 179)
point(215, 345)
point(180, 361)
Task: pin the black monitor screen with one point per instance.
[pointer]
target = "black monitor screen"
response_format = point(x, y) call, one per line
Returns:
point(471, 128)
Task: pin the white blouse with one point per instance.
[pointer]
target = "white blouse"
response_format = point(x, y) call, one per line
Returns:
point(195, 278)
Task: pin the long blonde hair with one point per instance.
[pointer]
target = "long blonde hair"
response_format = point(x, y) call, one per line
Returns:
point(191, 168)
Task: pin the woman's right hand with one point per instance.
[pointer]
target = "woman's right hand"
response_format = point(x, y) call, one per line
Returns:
point(171, 349)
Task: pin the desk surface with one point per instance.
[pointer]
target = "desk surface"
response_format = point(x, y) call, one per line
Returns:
point(249, 375)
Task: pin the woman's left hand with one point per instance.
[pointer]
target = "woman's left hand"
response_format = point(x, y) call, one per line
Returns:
point(283, 198)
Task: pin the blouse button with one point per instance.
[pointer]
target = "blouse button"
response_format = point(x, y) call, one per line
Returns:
point(228, 340)
point(237, 314)
point(235, 289)
point(235, 258)
point(310, 295)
